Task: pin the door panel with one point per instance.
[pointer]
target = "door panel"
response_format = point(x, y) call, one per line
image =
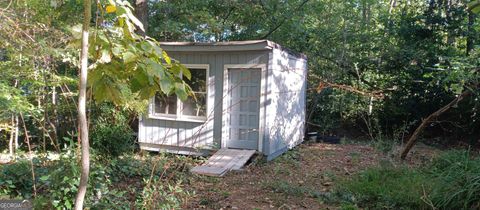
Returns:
point(243, 107)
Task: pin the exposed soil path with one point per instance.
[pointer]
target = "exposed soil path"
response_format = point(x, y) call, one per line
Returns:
point(295, 180)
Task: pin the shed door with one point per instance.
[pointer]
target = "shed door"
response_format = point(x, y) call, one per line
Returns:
point(243, 108)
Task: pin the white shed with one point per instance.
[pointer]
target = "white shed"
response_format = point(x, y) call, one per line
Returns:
point(250, 95)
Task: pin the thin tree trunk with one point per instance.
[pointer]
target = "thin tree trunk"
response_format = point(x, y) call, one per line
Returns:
point(27, 139)
point(82, 116)
point(16, 133)
point(429, 119)
point(55, 115)
point(12, 136)
point(141, 12)
point(470, 32)
point(393, 3)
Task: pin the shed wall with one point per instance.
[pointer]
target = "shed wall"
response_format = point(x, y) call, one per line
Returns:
point(207, 134)
point(286, 102)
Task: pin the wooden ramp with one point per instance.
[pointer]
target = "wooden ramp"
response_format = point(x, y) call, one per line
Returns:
point(223, 161)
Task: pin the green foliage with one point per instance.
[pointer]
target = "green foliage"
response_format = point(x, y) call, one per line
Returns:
point(112, 140)
point(111, 134)
point(386, 187)
point(451, 181)
point(457, 181)
point(16, 180)
point(127, 67)
point(61, 182)
point(155, 182)
point(159, 194)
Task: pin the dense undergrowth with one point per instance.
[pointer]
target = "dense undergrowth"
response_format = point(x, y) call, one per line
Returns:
point(127, 182)
point(450, 181)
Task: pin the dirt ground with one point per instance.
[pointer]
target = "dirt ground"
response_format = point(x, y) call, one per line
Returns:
point(295, 180)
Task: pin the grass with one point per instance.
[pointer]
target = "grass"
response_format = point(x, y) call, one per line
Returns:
point(385, 187)
point(451, 181)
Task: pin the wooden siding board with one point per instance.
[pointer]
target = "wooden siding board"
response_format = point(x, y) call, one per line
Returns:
point(180, 133)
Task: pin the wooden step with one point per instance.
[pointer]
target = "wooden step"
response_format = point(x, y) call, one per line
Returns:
point(223, 161)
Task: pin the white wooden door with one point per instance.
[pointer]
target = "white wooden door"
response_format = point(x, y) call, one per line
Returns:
point(243, 109)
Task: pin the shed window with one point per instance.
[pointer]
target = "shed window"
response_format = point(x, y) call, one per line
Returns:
point(193, 108)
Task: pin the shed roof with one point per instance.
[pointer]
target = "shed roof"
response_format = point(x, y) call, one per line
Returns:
point(225, 46)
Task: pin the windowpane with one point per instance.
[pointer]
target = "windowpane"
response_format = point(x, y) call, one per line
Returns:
point(192, 106)
point(195, 108)
point(165, 104)
point(198, 81)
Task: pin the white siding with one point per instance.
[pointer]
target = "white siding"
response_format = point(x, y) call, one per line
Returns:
point(285, 113)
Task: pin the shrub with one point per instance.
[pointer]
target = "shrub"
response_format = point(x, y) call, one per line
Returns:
point(112, 140)
point(111, 134)
point(16, 180)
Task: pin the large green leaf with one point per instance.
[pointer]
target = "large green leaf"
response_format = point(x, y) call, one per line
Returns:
point(166, 85)
point(181, 91)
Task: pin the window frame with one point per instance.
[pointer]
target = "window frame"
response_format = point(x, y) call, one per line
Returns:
point(179, 116)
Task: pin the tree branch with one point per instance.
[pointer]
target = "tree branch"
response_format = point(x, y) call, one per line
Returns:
point(283, 21)
point(429, 119)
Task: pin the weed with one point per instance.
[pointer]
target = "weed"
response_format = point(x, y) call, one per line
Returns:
point(355, 157)
point(385, 187)
point(456, 177)
point(291, 157)
point(451, 181)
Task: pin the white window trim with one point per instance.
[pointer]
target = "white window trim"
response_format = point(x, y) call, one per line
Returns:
point(179, 116)
point(263, 83)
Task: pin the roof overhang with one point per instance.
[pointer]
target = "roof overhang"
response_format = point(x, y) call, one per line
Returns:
point(250, 45)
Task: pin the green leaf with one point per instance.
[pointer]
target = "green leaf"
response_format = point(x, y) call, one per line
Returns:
point(139, 81)
point(134, 19)
point(68, 204)
point(166, 85)
point(128, 57)
point(186, 72)
point(167, 58)
point(146, 93)
point(94, 77)
point(180, 91)
point(44, 178)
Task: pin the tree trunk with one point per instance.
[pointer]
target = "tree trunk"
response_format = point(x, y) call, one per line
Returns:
point(12, 136)
point(16, 133)
point(141, 12)
point(393, 4)
point(82, 116)
point(470, 32)
point(425, 122)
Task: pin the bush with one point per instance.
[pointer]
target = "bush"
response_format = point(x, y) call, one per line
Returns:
point(112, 140)
point(111, 134)
point(16, 180)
